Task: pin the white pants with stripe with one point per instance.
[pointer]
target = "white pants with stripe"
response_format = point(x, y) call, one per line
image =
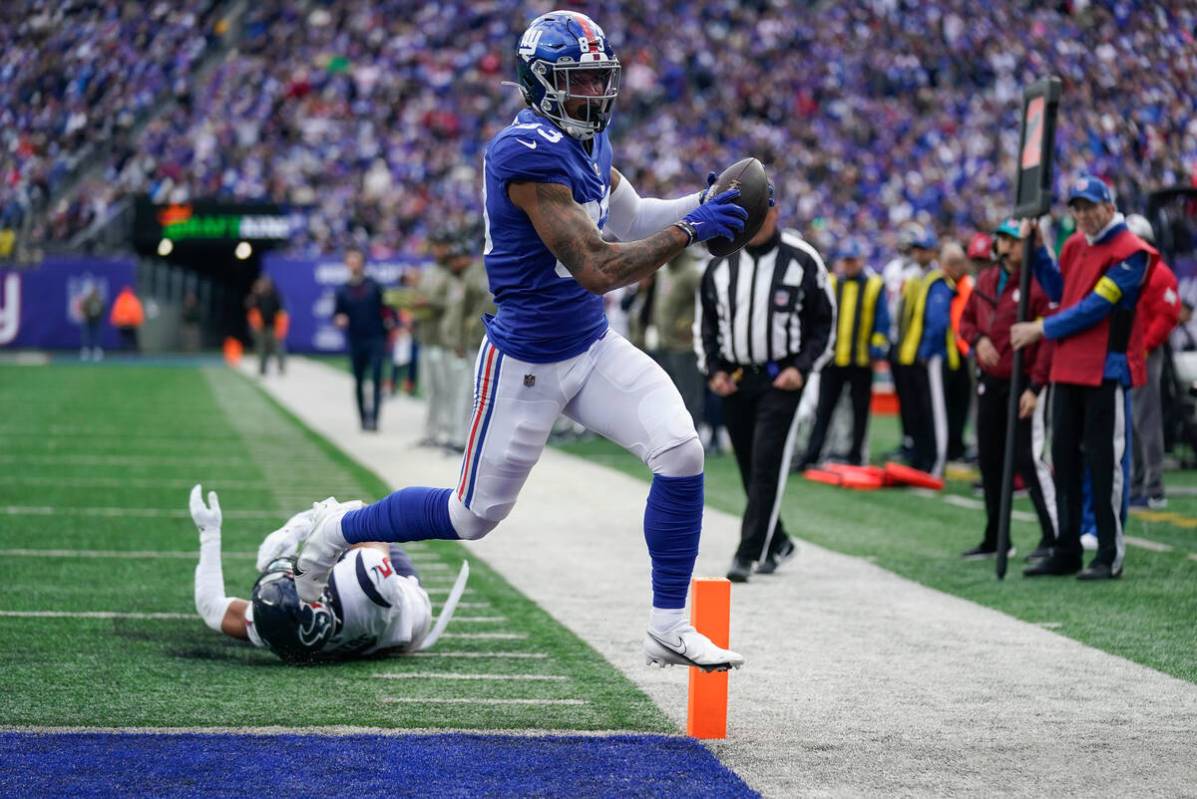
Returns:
point(612, 389)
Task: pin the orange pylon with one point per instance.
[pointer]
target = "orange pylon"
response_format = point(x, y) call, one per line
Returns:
point(710, 613)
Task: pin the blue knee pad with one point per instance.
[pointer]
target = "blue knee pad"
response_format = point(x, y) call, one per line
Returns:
point(672, 526)
point(409, 514)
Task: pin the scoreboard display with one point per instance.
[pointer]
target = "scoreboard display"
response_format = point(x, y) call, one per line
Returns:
point(214, 223)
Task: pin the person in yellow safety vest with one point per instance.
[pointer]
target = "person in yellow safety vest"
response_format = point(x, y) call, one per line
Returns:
point(927, 346)
point(862, 336)
point(127, 316)
point(901, 275)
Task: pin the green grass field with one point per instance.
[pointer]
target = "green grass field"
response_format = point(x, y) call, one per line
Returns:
point(1149, 616)
point(95, 468)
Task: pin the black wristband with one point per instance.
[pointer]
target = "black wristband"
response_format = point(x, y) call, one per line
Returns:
point(687, 228)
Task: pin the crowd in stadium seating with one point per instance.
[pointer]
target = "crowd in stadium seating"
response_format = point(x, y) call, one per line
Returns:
point(77, 74)
point(869, 114)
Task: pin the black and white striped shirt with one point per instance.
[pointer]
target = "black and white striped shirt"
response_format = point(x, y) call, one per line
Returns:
point(767, 304)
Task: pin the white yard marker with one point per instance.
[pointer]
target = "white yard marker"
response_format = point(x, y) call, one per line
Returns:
point(1143, 543)
point(496, 655)
point(141, 513)
point(453, 675)
point(90, 614)
point(1023, 516)
point(479, 619)
point(487, 636)
point(411, 700)
point(181, 554)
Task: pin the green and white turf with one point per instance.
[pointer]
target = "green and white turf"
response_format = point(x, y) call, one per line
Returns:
point(857, 682)
point(97, 625)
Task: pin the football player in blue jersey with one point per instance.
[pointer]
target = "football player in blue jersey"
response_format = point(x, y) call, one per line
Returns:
point(563, 227)
point(373, 604)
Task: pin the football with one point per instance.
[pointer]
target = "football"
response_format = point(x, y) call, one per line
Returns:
point(747, 175)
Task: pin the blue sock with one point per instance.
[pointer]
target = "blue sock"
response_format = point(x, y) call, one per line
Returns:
point(672, 525)
point(409, 514)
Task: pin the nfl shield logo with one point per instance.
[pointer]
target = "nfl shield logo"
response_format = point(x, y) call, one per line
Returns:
point(529, 380)
point(781, 297)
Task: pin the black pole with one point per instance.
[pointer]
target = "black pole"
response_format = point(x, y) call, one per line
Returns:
point(1003, 537)
point(1032, 199)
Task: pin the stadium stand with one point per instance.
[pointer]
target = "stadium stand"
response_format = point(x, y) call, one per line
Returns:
point(371, 114)
point(77, 76)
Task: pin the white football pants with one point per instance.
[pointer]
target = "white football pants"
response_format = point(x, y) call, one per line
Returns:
point(613, 389)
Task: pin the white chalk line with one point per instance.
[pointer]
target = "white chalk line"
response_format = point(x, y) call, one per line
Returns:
point(256, 486)
point(411, 700)
point(454, 675)
point(483, 655)
point(117, 553)
point(1023, 516)
point(141, 513)
point(331, 731)
point(93, 614)
point(487, 636)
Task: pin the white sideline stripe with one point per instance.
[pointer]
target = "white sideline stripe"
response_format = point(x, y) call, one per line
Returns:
point(504, 655)
point(116, 553)
point(1050, 625)
point(479, 619)
point(454, 675)
point(149, 513)
point(1143, 543)
point(90, 614)
point(469, 605)
point(444, 589)
point(411, 700)
point(976, 504)
point(1023, 516)
point(332, 731)
point(487, 636)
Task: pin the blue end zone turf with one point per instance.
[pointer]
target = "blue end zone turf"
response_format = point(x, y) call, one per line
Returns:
point(438, 765)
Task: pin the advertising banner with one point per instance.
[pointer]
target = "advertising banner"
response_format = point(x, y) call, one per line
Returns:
point(40, 306)
point(308, 287)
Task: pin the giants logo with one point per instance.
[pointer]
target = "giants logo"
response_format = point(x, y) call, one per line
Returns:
point(10, 309)
point(529, 43)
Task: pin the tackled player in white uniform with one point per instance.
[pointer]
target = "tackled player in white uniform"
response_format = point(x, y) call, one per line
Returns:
point(374, 603)
point(553, 201)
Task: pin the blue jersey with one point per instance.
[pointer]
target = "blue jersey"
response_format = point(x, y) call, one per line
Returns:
point(544, 314)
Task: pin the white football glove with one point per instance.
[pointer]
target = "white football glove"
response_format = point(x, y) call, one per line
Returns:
point(284, 542)
point(206, 517)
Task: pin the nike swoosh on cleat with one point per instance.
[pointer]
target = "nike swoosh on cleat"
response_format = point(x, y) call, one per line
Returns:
point(531, 145)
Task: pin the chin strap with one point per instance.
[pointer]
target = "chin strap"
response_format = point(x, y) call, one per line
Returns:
point(450, 605)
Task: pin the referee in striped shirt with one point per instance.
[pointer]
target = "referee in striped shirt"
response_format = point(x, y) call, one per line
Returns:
point(764, 323)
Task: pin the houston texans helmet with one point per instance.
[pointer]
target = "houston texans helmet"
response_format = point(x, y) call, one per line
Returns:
point(564, 57)
point(293, 629)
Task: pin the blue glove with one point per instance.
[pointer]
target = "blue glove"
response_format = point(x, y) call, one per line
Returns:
point(719, 216)
point(711, 178)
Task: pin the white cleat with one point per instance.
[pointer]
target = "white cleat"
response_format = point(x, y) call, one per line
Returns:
point(685, 646)
point(323, 548)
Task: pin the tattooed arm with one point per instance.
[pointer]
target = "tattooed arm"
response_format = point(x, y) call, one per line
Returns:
point(599, 266)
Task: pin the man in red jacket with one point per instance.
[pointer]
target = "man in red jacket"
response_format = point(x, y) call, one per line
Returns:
point(1098, 357)
point(1159, 311)
point(991, 310)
